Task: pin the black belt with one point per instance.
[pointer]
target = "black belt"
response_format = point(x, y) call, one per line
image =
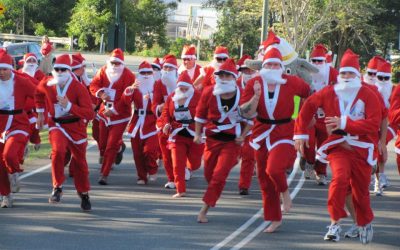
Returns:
point(339, 132)
point(218, 123)
point(269, 121)
point(141, 112)
point(66, 120)
point(10, 112)
point(186, 121)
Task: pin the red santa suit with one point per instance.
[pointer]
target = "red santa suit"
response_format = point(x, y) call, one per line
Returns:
point(394, 120)
point(112, 80)
point(142, 125)
point(163, 88)
point(67, 126)
point(208, 72)
point(349, 149)
point(222, 122)
point(180, 118)
point(273, 132)
point(14, 123)
point(189, 52)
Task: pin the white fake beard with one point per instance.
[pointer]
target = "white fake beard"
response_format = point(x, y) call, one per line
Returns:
point(179, 94)
point(385, 88)
point(156, 75)
point(59, 78)
point(169, 78)
point(345, 88)
point(86, 80)
point(247, 77)
point(215, 64)
point(223, 87)
point(146, 84)
point(114, 72)
point(272, 76)
point(30, 68)
point(319, 79)
point(369, 79)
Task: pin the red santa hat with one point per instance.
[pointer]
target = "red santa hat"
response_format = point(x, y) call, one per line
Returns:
point(156, 63)
point(170, 60)
point(350, 63)
point(189, 52)
point(63, 61)
point(384, 69)
point(28, 56)
point(229, 67)
point(221, 52)
point(273, 55)
point(319, 52)
point(328, 57)
point(271, 39)
point(373, 64)
point(6, 61)
point(145, 67)
point(240, 63)
point(184, 80)
point(77, 61)
point(117, 55)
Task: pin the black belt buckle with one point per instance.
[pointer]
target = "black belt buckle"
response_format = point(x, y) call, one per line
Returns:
point(141, 112)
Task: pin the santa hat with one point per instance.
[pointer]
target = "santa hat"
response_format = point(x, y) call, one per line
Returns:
point(170, 60)
point(273, 55)
point(240, 63)
point(156, 63)
point(319, 52)
point(77, 61)
point(384, 69)
point(117, 55)
point(145, 67)
point(63, 61)
point(184, 80)
point(328, 57)
point(189, 52)
point(350, 63)
point(6, 61)
point(271, 39)
point(221, 52)
point(28, 56)
point(373, 64)
point(229, 67)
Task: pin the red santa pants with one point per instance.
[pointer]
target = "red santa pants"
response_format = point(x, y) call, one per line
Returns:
point(219, 159)
point(166, 155)
point(317, 135)
point(271, 171)
point(184, 151)
point(145, 155)
point(248, 163)
point(110, 144)
point(11, 152)
point(59, 146)
point(96, 134)
point(349, 168)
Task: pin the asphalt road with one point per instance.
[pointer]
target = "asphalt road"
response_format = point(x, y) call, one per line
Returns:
point(128, 216)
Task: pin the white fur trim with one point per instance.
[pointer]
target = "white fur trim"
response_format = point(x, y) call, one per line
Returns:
point(301, 137)
point(115, 59)
point(272, 60)
point(170, 65)
point(383, 74)
point(6, 66)
point(188, 57)
point(350, 69)
point(64, 66)
point(222, 55)
point(31, 57)
point(230, 72)
point(372, 70)
point(197, 119)
point(98, 91)
point(186, 84)
point(69, 106)
point(156, 65)
point(39, 110)
point(343, 121)
point(77, 66)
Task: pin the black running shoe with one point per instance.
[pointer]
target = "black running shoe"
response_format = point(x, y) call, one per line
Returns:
point(244, 191)
point(85, 202)
point(56, 195)
point(120, 154)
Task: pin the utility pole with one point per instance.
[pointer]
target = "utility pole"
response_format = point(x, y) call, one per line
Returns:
point(116, 31)
point(23, 19)
point(264, 24)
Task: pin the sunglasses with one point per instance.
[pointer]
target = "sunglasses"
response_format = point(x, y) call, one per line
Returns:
point(115, 63)
point(382, 78)
point(371, 73)
point(219, 59)
point(317, 60)
point(186, 59)
point(60, 69)
point(146, 73)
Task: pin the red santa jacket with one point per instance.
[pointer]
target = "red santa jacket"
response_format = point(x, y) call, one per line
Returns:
point(12, 101)
point(101, 83)
point(71, 121)
point(208, 73)
point(394, 115)
point(46, 48)
point(180, 117)
point(194, 73)
point(143, 120)
point(160, 94)
point(359, 121)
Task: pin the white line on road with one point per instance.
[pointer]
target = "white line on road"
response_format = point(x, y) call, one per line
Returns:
point(255, 216)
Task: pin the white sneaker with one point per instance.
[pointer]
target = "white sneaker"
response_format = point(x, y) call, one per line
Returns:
point(7, 201)
point(383, 180)
point(141, 182)
point(352, 232)
point(309, 171)
point(321, 180)
point(14, 182)
point(169, 185)
point(366, 234)
point(188, 174)
point(333, 233)
point(152, 177)
point(377, 188)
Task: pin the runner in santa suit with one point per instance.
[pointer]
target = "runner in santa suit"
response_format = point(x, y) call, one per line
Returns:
point(372, 68)
point(394, 120)
point(218, 112)
point(15, 89)
point(69, 108)
point(142, 126)
point(206, 77)
point(156, 65)
point(327, 75)
point(178, 124)
point(162, 89)
point(108, 85)
point(247, 167)
point(353, 115)
point(273, 132)
point(189, 62)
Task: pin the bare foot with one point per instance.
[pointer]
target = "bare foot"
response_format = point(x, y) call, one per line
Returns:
point(202, 217)
point(179, 195)
point(286, 201)
point(273, 227)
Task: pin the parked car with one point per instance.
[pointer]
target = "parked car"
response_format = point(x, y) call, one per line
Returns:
point(18, 50)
